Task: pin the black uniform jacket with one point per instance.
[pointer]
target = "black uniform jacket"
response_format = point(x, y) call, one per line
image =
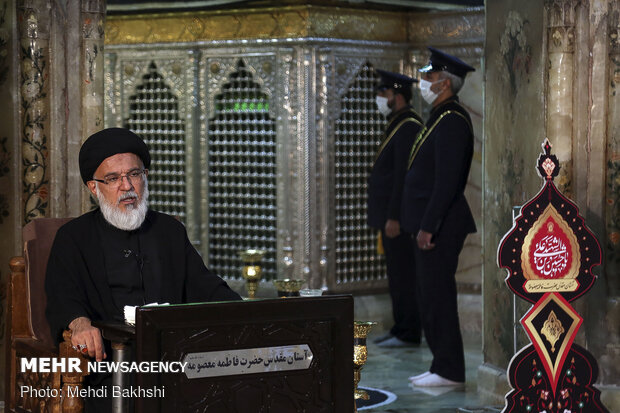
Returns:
point(385, 183)
point(76, 280)
point(439, 163)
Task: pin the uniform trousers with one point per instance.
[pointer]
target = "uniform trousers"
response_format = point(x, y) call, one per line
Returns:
point(400, 265)
point(437, 298)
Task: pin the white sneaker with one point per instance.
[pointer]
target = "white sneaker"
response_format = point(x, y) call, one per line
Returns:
point(435, 380)
point(419, 376)
point(435, 391)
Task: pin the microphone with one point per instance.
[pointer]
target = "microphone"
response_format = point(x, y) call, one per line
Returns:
point(139, 258)
point(140, 261)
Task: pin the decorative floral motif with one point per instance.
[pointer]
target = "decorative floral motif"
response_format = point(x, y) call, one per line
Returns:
point(34, 138)
point(552, 329)
point(513, 48)
point(576, 392)
point(91, 56)
point(93, 28)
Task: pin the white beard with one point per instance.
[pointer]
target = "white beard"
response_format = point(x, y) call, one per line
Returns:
point(127, 220)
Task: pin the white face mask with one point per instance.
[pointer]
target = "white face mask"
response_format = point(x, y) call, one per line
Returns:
point(425, 90)
point(382, 105)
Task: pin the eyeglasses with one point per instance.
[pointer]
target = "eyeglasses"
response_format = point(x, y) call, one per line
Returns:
point(133, 176)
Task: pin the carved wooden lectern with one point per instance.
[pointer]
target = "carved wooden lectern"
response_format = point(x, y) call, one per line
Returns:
point(278, 355)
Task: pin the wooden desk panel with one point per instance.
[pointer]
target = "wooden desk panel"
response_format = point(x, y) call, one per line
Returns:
point(325, 324)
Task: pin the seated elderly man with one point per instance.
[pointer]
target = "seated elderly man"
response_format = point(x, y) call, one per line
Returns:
point(121, 253)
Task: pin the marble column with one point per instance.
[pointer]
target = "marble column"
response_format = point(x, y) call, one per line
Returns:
point(606, 130)
point(34, 59)
point(560, 47)
point(92, 71)
point(514, 127)
point(612, 204)
point(61, 100)
point(93, 19)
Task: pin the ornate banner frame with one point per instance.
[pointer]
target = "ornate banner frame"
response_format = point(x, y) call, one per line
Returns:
point(549, 254)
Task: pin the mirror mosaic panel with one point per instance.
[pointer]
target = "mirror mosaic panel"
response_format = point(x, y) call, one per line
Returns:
point(154, 115)
point(358, 134)
point(241, 175)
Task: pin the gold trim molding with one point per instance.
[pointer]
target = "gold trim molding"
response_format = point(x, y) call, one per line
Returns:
point(447, 28)
point(268, 23)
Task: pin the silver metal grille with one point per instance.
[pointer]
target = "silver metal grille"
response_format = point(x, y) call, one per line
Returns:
point(154, 115)
point(242, 176)
point(357, 138)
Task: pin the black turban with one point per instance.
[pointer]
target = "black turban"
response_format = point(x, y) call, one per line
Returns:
point(109, 142)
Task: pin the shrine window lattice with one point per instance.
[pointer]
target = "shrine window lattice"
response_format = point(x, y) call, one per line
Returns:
point(242, 176)
point(358, 134)
point(154, 115)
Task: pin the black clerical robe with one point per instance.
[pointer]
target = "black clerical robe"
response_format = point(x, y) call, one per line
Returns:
point(95, 269)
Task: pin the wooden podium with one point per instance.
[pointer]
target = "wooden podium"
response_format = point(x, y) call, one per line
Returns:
point(278, 355)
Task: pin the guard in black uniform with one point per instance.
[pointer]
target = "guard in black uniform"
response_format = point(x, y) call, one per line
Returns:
point(435, 210)
point(385, 187)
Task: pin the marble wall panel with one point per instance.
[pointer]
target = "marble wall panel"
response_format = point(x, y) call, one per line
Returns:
point(469, 272)
point(610, 358)
point(9, 165)
point(547, 66)
point(612, 243)
point(7, 144)
point(514, 123)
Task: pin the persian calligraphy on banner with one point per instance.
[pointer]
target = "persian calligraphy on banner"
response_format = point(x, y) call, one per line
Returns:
point(550, 256)
point(247, 361)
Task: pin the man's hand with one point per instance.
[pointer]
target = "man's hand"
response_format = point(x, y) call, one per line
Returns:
point(392, 228)
point(84, 334)
point(424, 240)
